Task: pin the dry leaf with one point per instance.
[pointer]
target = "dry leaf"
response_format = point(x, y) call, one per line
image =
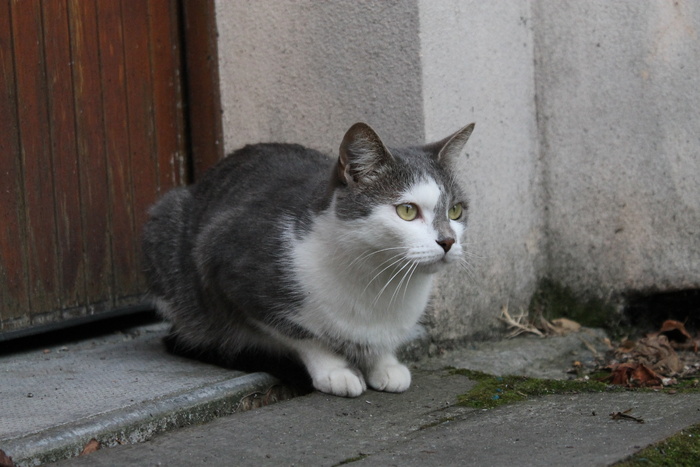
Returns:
point(675, 331)
point(92, 446)
point(656, 351)
point(566, 326)
point(678, 336)
point(634, 375)
point(5, 460)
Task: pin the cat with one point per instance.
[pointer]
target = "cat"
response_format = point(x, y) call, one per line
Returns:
point(279, 250)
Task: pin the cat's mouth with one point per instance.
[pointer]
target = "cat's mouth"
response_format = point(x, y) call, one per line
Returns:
point(434, 265)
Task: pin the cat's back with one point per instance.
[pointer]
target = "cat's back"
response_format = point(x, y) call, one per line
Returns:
point(269, 173)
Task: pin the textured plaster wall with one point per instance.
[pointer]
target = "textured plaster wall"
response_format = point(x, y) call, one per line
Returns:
point(416, 71)
point(477, 66)
point(618, 93)
point(304, 71)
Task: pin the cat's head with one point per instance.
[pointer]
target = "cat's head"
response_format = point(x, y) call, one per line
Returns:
point(404, 202)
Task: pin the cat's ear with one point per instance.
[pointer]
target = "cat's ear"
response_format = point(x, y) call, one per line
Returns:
point(449, 149)
point(363, 157)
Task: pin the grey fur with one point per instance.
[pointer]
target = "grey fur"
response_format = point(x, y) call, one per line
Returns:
point(216, 256)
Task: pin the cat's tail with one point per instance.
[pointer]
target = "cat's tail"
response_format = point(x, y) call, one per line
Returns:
point(166, 248)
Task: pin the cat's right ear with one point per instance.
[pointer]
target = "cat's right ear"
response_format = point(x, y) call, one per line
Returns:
point(363, 157)
point(450, 149)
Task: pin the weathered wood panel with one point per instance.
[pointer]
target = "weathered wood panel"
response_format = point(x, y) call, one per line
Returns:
point(61, 106)
point(35, 154)
point(117, 146)
point(91, 132)
point(203, 95)
point(14, 291)
point(165, 55)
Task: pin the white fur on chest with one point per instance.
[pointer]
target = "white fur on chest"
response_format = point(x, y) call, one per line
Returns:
point(365, 280)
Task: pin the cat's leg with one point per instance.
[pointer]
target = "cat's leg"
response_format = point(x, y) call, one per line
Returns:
point(386, 374)
point(330, 373)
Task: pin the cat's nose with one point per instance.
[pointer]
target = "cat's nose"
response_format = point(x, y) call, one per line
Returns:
point(446, 243)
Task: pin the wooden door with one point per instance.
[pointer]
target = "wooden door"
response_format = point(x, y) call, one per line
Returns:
point(91, 133)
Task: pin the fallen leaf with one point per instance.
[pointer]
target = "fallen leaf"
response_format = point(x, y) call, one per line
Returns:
point(633, 375)
point(675, 331)
point(5, 460)
point(656, 351)
point(92, 446)
point(644, 376)
point(626, 346)
point(566, 326)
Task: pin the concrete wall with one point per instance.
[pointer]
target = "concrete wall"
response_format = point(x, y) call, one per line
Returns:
point(304, 71)
point(477, 66)
point(618, 96)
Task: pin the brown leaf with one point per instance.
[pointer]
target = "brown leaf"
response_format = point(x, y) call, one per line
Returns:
point(621, 373)
point(5, 460)
point(92, 446)
point(633, 375)
point(626, 346)
point(675, 331)
point(645, 376)
point(655, 351)
point(566, 326)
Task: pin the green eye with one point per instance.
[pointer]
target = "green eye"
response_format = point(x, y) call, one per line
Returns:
point(455, 212)
point(407, 211)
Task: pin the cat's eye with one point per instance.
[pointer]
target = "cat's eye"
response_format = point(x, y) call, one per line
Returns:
point(455, 212)
point(407, 211)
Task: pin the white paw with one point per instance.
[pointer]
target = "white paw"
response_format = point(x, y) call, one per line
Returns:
point(394, 377)
point(341, 382)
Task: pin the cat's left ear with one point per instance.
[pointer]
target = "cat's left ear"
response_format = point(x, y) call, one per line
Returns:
point(363, 157)
point(449, 149)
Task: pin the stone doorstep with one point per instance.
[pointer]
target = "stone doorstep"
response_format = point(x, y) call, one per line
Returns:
point(145, 420)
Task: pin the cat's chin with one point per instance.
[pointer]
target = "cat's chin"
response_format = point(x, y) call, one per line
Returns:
point(433, 267)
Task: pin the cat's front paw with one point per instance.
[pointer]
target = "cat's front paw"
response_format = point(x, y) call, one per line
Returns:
point(393, 377)
point(342, 382)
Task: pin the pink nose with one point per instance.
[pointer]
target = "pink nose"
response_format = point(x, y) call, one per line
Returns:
point(446, 243)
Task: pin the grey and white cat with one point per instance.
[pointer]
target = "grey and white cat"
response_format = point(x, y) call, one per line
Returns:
point(281, 250)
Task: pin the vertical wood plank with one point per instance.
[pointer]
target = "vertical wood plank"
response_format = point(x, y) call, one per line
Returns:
point(14, 296)
point(91, 153)
point(125, 250)
point(165, 59)
point(92, 129)
point(64, 152)
point(36, 156)
point(140, 105)
point(203, 95)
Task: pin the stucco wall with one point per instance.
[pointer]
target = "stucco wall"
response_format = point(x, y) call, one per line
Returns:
point(618, 93)
point(477, 66)
point(305, 71)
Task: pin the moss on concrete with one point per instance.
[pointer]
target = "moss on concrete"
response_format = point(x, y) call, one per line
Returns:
point(491, 391)
point(681, 449)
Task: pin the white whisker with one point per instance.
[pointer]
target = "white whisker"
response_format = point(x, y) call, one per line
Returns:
point(389, 281)
point(400, 258)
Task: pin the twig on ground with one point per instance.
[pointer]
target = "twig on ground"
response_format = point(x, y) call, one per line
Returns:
point(519, 323)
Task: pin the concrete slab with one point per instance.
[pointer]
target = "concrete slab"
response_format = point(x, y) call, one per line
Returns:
point(418, 428)
point(124, 388)
point(121, 387)
point(526, 355)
